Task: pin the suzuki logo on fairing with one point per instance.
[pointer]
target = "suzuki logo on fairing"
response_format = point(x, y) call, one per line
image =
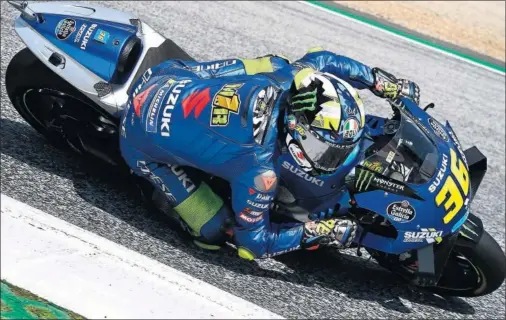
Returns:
point(169, 106)
point(303, 174)
point(87, 36)
point(440, 174)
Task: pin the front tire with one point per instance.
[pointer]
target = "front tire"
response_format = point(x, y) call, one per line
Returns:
point(473, 270)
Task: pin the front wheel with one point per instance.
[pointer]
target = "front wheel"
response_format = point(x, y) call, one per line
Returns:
point(473, 270)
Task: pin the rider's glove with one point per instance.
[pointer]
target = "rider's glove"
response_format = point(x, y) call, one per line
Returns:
point(338, 232)
point(322, 215)
point(388, 86)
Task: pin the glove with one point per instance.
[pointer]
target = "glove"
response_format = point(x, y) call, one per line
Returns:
point(322, 215)
point(388, 86)
point(338, 232)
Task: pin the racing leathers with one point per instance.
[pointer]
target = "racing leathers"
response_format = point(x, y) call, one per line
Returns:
point(222, 118)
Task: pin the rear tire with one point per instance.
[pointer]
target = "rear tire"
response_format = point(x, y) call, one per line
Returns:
point(26, 75)
point(61, 113)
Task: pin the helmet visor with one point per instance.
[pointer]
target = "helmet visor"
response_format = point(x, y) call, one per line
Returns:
point(322, 154)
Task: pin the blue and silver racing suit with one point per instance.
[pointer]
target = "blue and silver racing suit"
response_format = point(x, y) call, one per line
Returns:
point(221, 117)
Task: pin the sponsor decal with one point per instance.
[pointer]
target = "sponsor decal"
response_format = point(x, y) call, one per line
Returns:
point(366, 180)
point(402, 169)
point(196, 101)
point(401, 211)
point(251, 191)
point(440, 174)
point(214, 66)
point(101, 36)
point(415, 120)
point(453, 193)
point(302, 174)
point(269, 255)
point(266, 181)
point(301, 65)
point(390, 156)
point(350, 128)
point(141, 98)
point(459, 147)
point(258, 205)
point(182, 176)
point(169, 106)
point(80, 33)
point(298, 155)
point(65, 28)
point(141, 164)
point(224, 102)
point(87, 36)
point(291, 122)
point(252, 212)
point(430, 235)
point(373, 166)
point(250, 219)
point(438, 129)
point(154, 107)
point(263, 197)
point(145, 78)
point(262, 112)
point(299, 129)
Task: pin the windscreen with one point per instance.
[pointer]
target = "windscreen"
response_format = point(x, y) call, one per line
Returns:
point(404, 153)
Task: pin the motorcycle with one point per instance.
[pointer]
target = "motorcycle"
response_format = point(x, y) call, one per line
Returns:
point(411, 195)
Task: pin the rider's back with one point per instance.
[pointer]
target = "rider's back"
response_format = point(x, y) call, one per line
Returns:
point(221, 125)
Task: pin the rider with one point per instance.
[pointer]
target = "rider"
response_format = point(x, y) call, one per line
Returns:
point(253, 122)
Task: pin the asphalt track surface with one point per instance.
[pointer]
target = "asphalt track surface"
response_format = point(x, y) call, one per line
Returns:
point(303, 284)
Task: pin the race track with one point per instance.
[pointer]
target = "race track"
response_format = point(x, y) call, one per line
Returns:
point(332, 285)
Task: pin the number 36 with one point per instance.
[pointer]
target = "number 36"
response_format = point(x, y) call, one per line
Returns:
point(450, 195)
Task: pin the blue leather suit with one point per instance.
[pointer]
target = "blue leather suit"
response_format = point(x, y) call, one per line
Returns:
point(221, 117)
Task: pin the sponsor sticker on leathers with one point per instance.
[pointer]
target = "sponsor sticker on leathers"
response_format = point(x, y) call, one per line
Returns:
point(266, 181)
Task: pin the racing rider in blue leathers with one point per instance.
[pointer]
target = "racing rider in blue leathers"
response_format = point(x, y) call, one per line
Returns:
point(265, 125)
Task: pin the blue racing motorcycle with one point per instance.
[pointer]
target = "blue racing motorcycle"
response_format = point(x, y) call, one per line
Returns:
point(411, 195)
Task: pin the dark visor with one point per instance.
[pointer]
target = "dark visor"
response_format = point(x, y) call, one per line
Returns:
point(325, 155)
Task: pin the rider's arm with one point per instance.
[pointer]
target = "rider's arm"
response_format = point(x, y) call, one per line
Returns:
point(359, 75)
point(236, 66)
point(254, 234)
point(356, 73)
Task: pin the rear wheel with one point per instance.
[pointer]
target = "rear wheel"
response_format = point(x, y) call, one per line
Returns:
point(57, 110)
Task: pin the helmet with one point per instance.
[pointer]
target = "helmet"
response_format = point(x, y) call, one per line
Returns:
point(324, 120)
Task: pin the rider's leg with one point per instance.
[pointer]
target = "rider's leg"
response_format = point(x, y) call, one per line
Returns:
point(203, 212)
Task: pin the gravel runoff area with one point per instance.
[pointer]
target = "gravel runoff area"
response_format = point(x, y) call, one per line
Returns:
point(477, 25)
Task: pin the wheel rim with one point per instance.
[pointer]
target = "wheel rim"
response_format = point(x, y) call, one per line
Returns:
point(461, 274)
point(46, 107)
point(50, 109)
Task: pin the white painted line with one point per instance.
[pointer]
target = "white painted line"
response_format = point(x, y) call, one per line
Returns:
point(403, 38)
point(100, 279)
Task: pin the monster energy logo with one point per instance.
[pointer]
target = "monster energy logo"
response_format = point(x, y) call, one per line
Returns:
point(304, 101)
point(364, 180)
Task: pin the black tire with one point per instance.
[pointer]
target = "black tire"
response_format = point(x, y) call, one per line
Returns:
point(26, 72)
point(489, 263)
